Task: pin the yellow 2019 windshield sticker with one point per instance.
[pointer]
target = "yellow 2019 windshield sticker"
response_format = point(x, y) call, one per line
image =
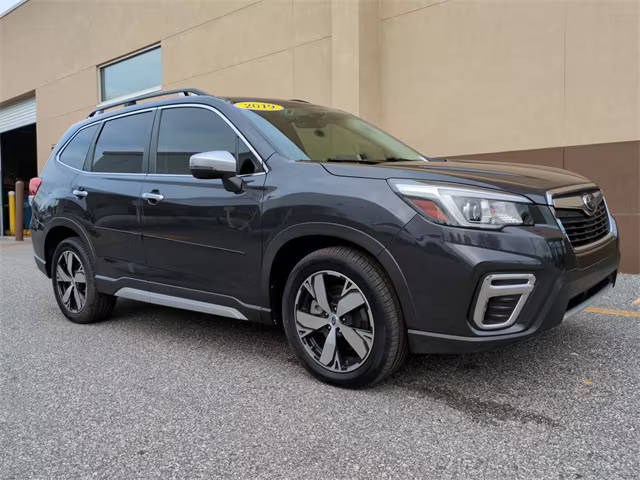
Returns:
point(259, 106)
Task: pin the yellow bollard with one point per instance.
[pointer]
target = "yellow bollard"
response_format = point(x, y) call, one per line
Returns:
point(12, 213)
point(19, 225)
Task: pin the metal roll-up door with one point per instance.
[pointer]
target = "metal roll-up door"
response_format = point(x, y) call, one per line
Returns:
point(14, 115)
point(18, 114)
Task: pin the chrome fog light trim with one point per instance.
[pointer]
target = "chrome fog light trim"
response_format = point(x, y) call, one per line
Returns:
point(499, 284)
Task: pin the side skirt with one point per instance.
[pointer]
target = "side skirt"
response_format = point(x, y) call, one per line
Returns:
point(183, 298)
point(178, 302)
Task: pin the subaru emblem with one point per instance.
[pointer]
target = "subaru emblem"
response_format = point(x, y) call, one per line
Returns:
point(589, 203)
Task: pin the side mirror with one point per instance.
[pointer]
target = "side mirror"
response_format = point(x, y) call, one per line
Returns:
point(214, 164)
point(217, 164)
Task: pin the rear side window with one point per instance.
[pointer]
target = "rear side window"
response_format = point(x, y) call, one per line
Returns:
point(122, 143)
point(185, 131)
point(75, 153)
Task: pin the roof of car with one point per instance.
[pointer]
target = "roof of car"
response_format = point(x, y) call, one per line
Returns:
point(156, 99)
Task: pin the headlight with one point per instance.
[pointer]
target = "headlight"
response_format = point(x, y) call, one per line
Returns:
point(465, 206)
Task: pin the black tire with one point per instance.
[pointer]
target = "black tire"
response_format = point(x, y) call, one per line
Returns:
point(389, 347)
point(97, 306)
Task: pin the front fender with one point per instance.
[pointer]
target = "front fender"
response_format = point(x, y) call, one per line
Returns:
point(350, 235)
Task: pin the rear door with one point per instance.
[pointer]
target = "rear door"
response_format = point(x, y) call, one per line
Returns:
point(110, 186)
point(198, 235)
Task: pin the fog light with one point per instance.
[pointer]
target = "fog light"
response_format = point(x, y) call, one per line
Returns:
point(501, 299)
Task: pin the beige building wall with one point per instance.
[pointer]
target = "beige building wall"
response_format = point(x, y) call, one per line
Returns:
point(541, 81)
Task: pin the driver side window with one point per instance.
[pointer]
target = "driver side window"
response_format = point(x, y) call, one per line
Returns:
point(185, 131)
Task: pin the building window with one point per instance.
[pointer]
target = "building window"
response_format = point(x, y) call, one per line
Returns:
point(135, 73)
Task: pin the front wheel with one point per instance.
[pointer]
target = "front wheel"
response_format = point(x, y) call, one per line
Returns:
point(342, 318)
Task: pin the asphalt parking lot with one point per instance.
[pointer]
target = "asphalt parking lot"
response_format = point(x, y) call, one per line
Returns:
point(161, 393)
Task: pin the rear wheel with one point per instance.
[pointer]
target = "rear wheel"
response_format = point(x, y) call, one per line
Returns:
point(74, 284)
point(343, 319)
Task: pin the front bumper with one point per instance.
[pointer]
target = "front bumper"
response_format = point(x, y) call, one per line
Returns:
point(445, 268)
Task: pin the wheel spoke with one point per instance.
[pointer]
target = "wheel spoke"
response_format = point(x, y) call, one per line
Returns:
point(67, 294)
point(349, 302)
point(360, 343)
point(310, 322)
point(61, 275)
point(321, 293)
point(78, 297)
point(307, 284)
point(68, 260)
point(79, 276)
point(329, 349)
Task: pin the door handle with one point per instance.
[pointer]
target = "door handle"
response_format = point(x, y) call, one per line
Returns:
point(80, 193)
point(152, 198)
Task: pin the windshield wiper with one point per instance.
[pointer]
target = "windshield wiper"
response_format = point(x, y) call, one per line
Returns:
point(398, 159)
point(351, 158)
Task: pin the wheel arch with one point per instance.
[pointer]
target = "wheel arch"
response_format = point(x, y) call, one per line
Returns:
point(59, 230)
point(291, 245)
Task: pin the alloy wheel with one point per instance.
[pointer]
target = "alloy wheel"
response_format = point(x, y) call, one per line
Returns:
point(71, 281)
point(334, 321)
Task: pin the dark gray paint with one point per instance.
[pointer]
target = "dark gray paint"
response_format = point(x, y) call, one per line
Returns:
point(208, 244)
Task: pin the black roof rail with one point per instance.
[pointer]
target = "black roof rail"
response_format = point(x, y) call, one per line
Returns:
point(299, 100)
point(127, 102)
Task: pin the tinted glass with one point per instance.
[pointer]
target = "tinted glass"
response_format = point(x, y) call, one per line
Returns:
point(324, 135)
point(121, 144)
point(75, 153)
point(132, 74)
point(186, 131)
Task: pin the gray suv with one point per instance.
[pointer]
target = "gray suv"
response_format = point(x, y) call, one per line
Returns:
point(285, 212)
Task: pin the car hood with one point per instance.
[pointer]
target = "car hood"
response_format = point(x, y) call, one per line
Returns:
point(533, 181)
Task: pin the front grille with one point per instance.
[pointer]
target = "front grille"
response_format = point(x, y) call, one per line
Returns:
point(499, 309)
point(583, 229)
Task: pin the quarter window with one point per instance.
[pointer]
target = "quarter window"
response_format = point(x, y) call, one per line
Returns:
point(75, 153)
point(121, 144)
point(188, 130)
point(132, 74)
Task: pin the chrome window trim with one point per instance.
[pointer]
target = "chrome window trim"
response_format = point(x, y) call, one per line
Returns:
point(64, 147)
point(488, 290)
point(153, 109)
point(226, 120)
point(183, 175)
point(196, 105)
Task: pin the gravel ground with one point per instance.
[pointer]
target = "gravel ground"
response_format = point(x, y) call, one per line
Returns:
point(160, 393)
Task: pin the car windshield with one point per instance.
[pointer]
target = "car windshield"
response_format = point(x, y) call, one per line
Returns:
point(310, 132)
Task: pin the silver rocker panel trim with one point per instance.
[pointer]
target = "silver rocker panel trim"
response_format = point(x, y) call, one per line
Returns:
point(179, 302)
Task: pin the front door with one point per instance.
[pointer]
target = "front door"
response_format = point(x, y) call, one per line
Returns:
point(197, 235)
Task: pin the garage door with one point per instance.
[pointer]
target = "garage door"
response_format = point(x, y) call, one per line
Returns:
point(18, 114)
